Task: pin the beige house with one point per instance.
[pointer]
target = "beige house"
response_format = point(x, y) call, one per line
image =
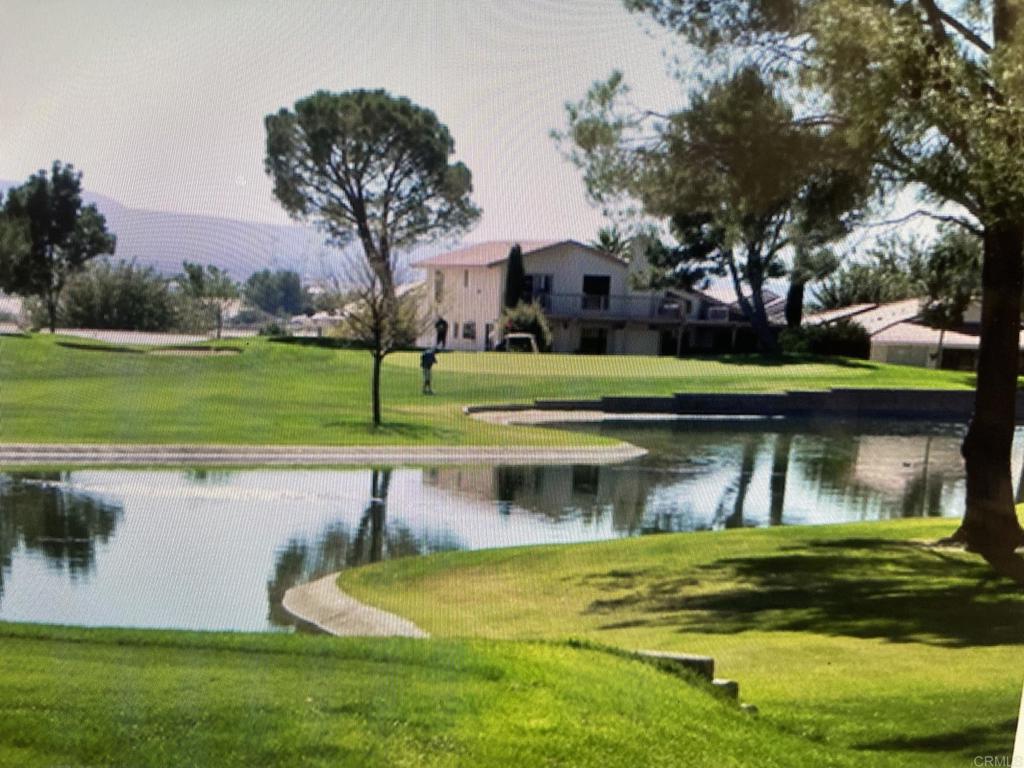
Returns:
point(587, 296)
point(899, 336)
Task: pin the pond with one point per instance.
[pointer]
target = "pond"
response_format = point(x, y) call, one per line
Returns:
point(204, 549)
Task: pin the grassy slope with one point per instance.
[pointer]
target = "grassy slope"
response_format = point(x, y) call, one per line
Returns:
point(116, 697)
point(287, 394)
point(857, 636)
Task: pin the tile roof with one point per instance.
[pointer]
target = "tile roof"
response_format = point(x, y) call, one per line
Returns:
point(922, 335)
point(485, 254)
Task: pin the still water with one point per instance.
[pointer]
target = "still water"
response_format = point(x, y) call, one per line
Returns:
point(204, 549)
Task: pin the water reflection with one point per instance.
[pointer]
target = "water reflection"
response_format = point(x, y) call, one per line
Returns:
point(206, 549)
point(38, 516)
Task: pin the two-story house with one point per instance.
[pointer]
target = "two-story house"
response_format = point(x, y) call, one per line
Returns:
point(587, 297)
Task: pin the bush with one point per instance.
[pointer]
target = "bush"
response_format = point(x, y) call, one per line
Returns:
point(842, 339)
point(527, 318)
point(120, 296)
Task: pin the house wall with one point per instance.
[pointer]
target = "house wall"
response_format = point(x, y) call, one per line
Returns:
point(903, 354)
point(568, 263)
point(471, 294)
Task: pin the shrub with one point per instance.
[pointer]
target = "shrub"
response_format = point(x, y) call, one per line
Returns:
point(527, 318)
point(843, 339)
point(121, 296)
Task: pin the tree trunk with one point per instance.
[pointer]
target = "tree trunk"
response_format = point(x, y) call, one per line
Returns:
point(795, 304)
point(755, 315)
point(51, 311)
point(990, 526)
point(375, 388)
point(780, 469)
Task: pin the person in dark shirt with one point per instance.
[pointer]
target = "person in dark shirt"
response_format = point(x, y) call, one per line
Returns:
point(441, 326)
point(427, 361)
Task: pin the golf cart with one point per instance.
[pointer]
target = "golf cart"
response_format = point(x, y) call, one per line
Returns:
point(518, 342)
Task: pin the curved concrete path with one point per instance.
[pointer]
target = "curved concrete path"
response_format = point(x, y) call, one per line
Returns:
point(14, 454)
point(323, 605)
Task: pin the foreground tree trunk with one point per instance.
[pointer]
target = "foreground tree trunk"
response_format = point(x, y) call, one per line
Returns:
point(375, 388)
point(990, 526)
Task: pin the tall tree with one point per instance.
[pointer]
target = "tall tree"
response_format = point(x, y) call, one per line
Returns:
point(931, 93)
point(62, 234)
point(372, 167)
point(739, 180)
point(515, 278)
point(211, 286)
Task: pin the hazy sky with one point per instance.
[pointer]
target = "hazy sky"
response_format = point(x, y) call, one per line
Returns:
point(161, 104)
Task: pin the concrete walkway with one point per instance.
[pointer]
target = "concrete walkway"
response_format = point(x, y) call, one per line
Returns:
point(535, 416)
point(15, 454)
point(323, 605)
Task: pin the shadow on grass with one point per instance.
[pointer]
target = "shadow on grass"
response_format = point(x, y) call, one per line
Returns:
point(388, 430)
point(789, 360)
point(994, 739)
point(856, 587)
point(100, 348)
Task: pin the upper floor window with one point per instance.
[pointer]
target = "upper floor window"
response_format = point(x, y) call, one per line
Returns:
point(438, 286)
point(465, 278)
point(537, 285)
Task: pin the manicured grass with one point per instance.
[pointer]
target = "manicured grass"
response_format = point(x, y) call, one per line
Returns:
point(122, 698)
point(860, 637)
point(55, 389)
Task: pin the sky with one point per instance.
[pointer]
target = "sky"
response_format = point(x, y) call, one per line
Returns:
point(161, 103)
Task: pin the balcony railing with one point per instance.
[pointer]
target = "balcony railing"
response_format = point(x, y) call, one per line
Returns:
point(614, 307)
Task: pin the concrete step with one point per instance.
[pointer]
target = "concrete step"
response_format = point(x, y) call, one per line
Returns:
point(728, 688)
point(704, 666)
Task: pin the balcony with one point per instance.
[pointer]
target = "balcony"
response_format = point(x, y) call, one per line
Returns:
point(584, 306)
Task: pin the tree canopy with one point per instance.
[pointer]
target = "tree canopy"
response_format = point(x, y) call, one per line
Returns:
point(927, 93)
point(738, 179)
point(374, 168)
point(50, 235)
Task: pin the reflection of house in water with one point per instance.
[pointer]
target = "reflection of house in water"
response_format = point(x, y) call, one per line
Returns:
point(908, 474)
point(558, 492)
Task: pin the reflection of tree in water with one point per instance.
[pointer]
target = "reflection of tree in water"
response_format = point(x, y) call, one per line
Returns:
point(867, 473)
point(338, 547)
point(201, 476)
point(738, 491)
point(37, 513)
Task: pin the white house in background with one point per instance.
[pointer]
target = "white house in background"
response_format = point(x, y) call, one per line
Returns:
point(899, 336)
point(587, 297)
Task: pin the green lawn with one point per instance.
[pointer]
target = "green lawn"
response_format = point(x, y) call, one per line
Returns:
point(55, 389)
point(859, 637)
point(123, 698)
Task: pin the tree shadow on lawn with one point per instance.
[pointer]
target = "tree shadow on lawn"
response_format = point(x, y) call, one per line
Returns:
point(978, 740)
point(776, 361)
point(390, 429)
point(857, 587)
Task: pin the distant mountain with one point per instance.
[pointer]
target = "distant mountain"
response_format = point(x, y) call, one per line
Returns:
point(164, 240)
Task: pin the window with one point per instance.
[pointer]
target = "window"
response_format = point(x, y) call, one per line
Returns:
point(438, 286)
point(537, 285)
point(465, 278)
point(469, 330)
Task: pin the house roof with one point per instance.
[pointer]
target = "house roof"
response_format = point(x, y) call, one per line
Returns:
point(834, 315)
point(873, 318)
point(913, 334)
point(494, 252)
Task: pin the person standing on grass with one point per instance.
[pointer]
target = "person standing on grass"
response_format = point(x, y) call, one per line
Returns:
point(427, 361)
point(441, 326)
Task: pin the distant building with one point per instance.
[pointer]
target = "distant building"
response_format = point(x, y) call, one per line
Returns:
point(899, 336)
point(589, 301)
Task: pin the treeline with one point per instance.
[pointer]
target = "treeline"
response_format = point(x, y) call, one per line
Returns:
point(122, 295)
